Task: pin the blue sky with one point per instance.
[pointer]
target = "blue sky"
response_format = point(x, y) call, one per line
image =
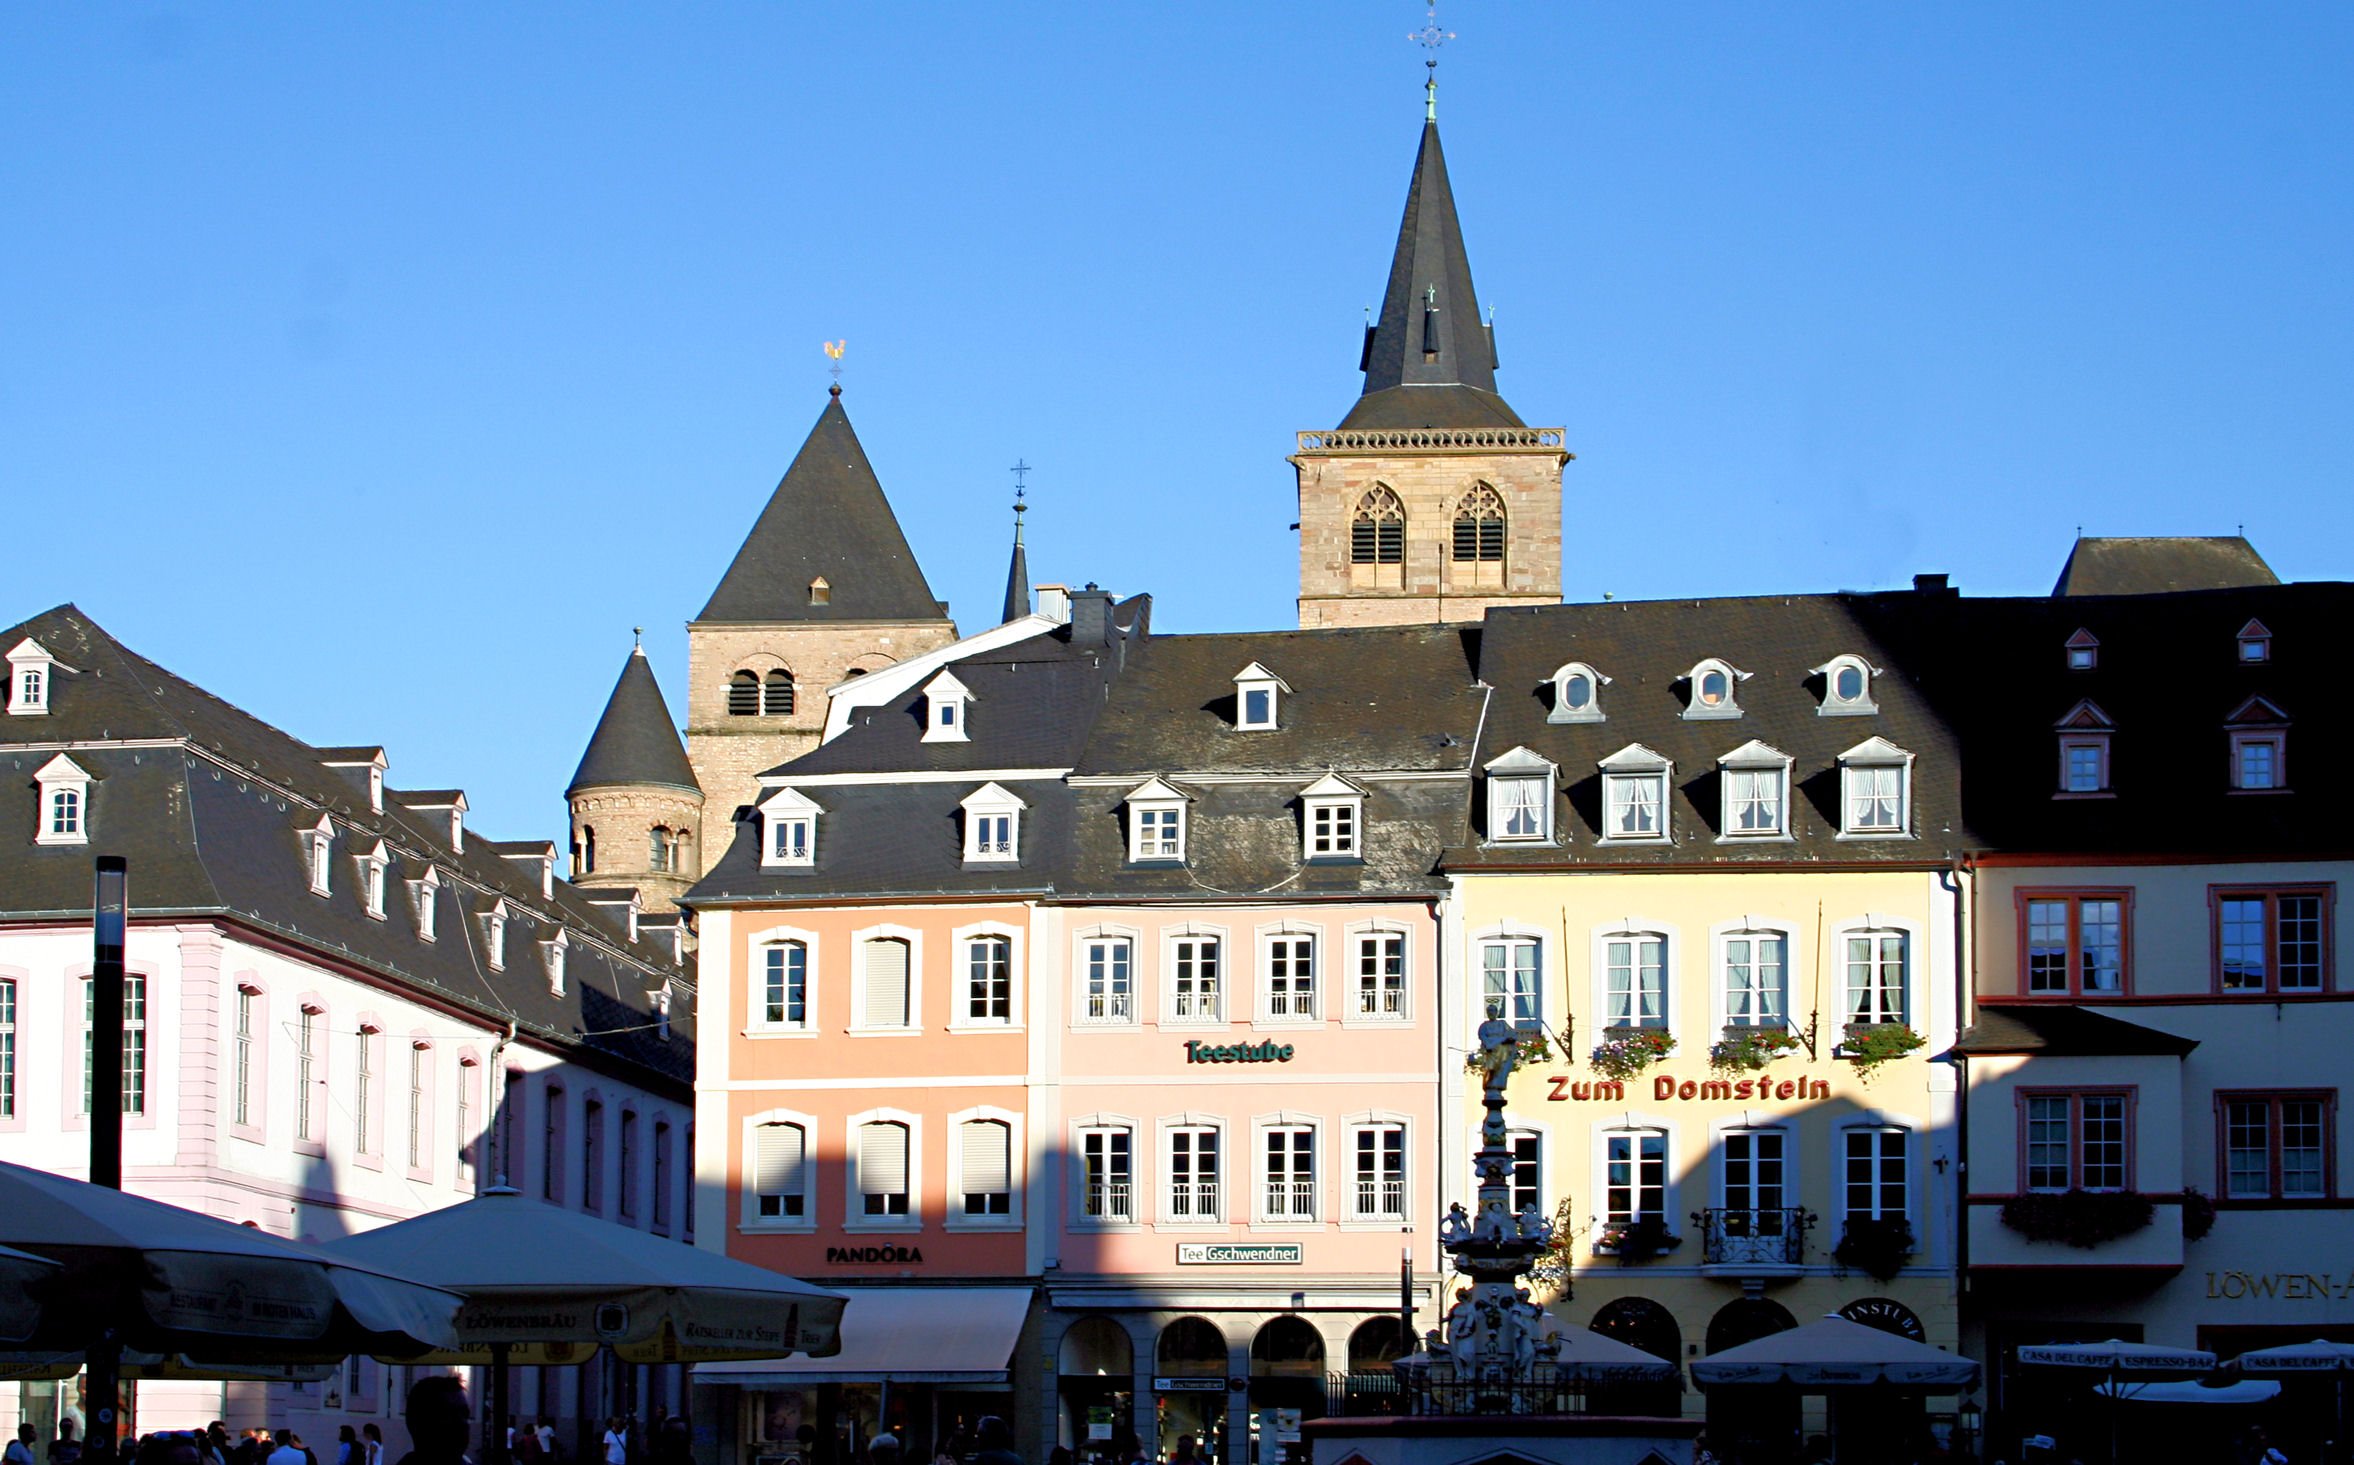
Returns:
point(380, 367)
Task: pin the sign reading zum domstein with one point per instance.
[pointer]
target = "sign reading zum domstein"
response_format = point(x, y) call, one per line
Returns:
point(1240, 1254)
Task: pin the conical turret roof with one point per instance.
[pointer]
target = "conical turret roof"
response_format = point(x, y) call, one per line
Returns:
point(827, 521)
point(635, 741)
point(1429, 360)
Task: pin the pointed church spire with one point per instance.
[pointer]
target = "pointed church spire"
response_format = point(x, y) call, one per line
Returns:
point(635, 741)
point(1017, 574)
point(1429, 360)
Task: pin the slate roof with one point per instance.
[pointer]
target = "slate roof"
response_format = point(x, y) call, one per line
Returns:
point(827, 518)
point(1430, 367)
point(2152, 566)
point(2057, 1030)
point(207, 813)
point(1647, 647)
point(635, 741)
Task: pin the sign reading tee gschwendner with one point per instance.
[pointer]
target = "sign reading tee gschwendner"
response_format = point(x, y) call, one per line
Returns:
point(1240, 1254)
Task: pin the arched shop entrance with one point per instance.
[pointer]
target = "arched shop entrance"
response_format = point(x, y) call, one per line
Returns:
point(1189, 1382)
point(1641, 1323)
point(1287, 1386)
point(1895, 1417)
point(1097, 1365)
point(1747, 1419)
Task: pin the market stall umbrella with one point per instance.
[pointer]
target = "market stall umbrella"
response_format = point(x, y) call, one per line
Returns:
point(168, 1281)
point(20, 1273)
point(2318, 1356)
point(1837, 1353)
point(2121, 1361)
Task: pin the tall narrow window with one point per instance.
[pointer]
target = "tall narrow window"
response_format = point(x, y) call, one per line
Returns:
point(7, 1048)
point(1107, 1174)
point(989, 979)
point(1634, 1185)
point(468, 1141)
point(1380, 1191)
point(882, 1169)
point(241, 1097)
point(1526, 1177)
point(551, 1147)
point(419, 1056)
point(134, 1043)
point(363, 1083)
point(1194, 989)
point(1756, 979)
point(1876, 972)
point(1193, 1174)
point(658, 849)
point(1511, 979)
point(1377, 533)
point(662, 1168)
point(1754, 1173)
point(779, 1153)
point(592, 1155)
point(1635, 981)
point(1381, 974)
point(784, 985)
point(1874, 1182)
point(1479, 526)
point(1291, 1173)
point(987, 1163)
point(625, 1190)
point(743, 694)
point(306, 1076)
point(1110, 994)
point(2273, 941)
point(883, 980)
point(776, 694)
point(1291, 977)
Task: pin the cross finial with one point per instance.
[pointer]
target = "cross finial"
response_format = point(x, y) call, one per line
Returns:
point(1430, 38)
point(1019, 470)
point(637, 638)
point(834, 351)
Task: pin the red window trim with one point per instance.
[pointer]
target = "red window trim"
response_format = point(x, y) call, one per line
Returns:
point(2130, 1093)
point(2273, 1097)
point(2217, 894)
point(2275, 733)
point(2074, 895)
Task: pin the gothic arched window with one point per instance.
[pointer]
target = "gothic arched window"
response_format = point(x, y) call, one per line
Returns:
point(777, 697)
point(1479, 526)
point(1377, 536)
point(743, 695)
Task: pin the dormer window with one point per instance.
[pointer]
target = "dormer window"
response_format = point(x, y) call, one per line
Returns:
point(551, 955)
point(365, 764)
point(946, 702)
point(1577, 694)
point(1520, 798)
point(373, 863)
point(2255, 643)
point(1156, 822)
point(1847, 687)
point(1634, 795)
point(29, 669)
point(494, 935)
point(1256, 691)
point(2084, 651)
point(820, 593)
point(318, 843)
point(1756, 783)
point(1714, 687)
point(2259, 735)
point(2084, 750)
point(62, 815)
point(1333, 816)
point(425, 893)
point(1875, 790)
point(992, 825)
point(789, 828)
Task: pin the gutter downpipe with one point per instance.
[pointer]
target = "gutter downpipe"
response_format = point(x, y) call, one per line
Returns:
point(1961, 879)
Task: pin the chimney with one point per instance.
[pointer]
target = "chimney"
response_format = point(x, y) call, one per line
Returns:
point(1055, 601)
point(1932, 585)
point(1091, 616)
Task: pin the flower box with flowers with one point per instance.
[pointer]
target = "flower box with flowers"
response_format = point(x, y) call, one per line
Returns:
point(1749, 1049)
point(1625, 1052)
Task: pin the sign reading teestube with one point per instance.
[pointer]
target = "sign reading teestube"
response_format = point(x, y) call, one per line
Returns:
point(1240, 1254)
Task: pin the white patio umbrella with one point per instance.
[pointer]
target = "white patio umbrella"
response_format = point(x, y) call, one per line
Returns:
point(1588, 1357)
point(2317, 1357)
point(20, 1272)
point(168, 1281)
point(2185, 1391)
point(2121, 1361)
point(1837, 1353)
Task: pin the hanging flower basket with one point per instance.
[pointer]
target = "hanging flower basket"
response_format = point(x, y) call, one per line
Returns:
point(1746, 1050)
point(1625, 1052)
point(1871, 1044)
point(2081, 1218)
point(1877, 1246)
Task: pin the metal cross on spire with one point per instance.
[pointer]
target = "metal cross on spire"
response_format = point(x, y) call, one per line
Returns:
point(1020, 471)
point(1430, 38)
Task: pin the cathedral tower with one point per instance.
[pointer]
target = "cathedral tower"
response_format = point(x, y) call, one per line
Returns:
point(1432, 501)
point(637, 811)
point(823, 588)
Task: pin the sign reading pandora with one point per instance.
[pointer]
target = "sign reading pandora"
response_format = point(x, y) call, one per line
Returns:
point(1667, 1087)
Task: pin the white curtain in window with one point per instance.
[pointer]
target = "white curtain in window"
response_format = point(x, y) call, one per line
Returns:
point(884, 976)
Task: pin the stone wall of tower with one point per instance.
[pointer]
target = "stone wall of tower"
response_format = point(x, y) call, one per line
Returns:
point(729, 753)
point(625, 817)
point(1430, 586)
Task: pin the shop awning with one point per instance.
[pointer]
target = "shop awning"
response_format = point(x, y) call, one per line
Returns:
point(909, 1335)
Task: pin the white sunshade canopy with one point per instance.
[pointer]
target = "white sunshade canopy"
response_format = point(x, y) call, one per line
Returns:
point(176, 1281)
point(919, 1335)
point(553, 1285)
point(2318, 1356)
point(2116, 1356)
point(19, 1270)
point(2183, 1391)
point(1835, 1353)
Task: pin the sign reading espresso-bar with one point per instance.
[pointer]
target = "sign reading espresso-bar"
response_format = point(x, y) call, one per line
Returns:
point(1240, 1254)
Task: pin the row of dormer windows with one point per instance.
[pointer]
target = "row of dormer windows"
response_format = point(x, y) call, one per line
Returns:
point(2254, 643)
point(1875, 794)
point(2257, 733)
point(1714, 690)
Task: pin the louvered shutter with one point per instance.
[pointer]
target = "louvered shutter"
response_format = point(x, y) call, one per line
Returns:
point(776, 1160)
point(882, 1159)
point(885, 976)
point(988, 1161)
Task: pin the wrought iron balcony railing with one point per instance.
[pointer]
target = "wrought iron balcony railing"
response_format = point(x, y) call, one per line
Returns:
point(1752, 1238)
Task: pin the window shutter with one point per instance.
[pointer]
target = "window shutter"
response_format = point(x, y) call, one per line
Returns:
point(885, 978)
point(776, 1160)
point(988, 1159)
point(882, 1159)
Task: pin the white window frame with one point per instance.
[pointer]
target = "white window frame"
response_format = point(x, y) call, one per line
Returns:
point(1257, 679)
point(1875, 926)
point(1539, 1132)
point(318, 853)
point(1336, 796)
point(785, 811)
point(2086, 727)
point(1166, 1132)
point(760, 943)
point(1015, 1154)
point(860, 1027)
point(947, 705)
point(1671, 985)
point(1634, 1125)
point(1261, 1180)
point(1879, 1124)
point(247, 1070)
point(1171, 941)
point(983, 806)
point(960, 1018)
point(854, 1216)
point(1107, 1126)
point(424, 901)
point(552, 950)
point(1154, 803)
point(1353, 1215)
point(31, 675)
point(494, 936)
point(1562, 712)
point(2255, 644)
point(1750, 929)
point(1695, 710)
point(1084, 1006)
point(748, 1217)
point(1520, 781)
point(1753, 765)
point(2257, 723)
point(373, 864)
point(1622, 772)
point(1723, 1130)
point(1506, 936)
point(62, 775)
point(1290, 932)
point(1359, 936)
point(1875, 755)
point(1835, 705)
